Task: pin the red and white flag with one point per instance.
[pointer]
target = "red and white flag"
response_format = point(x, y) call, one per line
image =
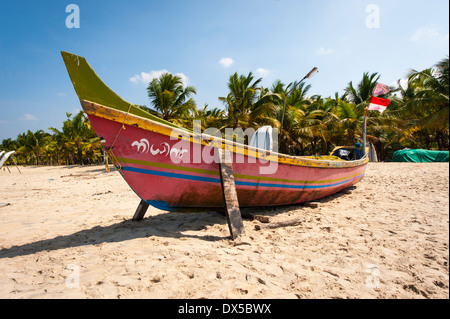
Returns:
point(378, 104)
point(380, 89)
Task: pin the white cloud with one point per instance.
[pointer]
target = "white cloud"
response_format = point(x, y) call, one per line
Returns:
point(427, 34)
point(226, 62)
point(29, 117)
point(61, 94)
point(324, 51)
point(3, 122)
point(403, 84)
point(146, 77)
point(262, 72)
point(184, 78)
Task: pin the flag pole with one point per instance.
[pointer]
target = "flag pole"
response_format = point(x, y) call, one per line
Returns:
point(367, 108)
point(311, 73)
point(364, 131)
point(365, 124)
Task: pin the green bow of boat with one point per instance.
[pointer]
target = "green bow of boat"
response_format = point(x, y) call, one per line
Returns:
point(90, 87)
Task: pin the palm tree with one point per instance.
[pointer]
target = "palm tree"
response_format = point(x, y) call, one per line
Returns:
point(304, 122)
point(210, 117)
point(33, 144)
point(8, 145)
point(422, 109)
point(431, 100)
point(77, 137)
point(364, 90)
point(247, 104)
point(292, 140)
point(351, 116)
point(310, 129)
point(170, 100)
point(329, 121)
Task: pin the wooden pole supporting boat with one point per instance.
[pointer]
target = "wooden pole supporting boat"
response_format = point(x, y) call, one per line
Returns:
point(233, 213)
point(140, 211)
point(234, 217)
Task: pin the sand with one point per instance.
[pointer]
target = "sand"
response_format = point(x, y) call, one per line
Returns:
point(66, 232)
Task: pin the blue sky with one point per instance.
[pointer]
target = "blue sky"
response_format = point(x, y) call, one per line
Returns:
point(205, 41)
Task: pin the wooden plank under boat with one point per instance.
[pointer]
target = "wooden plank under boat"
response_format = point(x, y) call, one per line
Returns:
point(158, 159)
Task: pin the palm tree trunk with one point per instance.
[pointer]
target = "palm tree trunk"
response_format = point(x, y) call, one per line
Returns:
point(80, 156)
point(438, 140)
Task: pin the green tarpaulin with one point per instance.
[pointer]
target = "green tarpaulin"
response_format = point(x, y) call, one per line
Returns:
point(420, 156)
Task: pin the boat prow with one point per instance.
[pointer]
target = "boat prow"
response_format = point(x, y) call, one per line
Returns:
point(89, 87)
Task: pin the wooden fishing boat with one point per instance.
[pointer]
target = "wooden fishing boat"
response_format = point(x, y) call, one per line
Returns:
point(160, 161)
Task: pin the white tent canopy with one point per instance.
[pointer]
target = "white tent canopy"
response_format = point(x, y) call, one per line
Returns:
point(5, 157)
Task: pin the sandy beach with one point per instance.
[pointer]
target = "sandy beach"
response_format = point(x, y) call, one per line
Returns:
point(66, 232)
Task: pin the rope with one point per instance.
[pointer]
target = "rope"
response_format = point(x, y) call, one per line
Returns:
point(114, 160)
point(122, 127)
point(106, 164)
point(109, 151)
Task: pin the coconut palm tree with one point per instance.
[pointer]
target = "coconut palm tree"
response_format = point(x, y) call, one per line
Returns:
point(431, 100)
point(352, 109)
point(292, 134)
point(8, 144)
point(77, 137)
point(33, 144)
point(170, 100)
point(248, 104)
point(421, 109)
point(304, 123)
point(364, 90)
point(348, 124)
point(210, 117)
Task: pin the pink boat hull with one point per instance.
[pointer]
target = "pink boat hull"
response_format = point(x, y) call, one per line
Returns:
point(148, 163)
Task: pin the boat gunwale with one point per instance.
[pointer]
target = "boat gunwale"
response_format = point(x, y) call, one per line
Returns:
point(125, 118)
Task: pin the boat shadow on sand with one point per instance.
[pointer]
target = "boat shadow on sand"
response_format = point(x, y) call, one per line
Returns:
point(195, 225)
point(164, 225)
